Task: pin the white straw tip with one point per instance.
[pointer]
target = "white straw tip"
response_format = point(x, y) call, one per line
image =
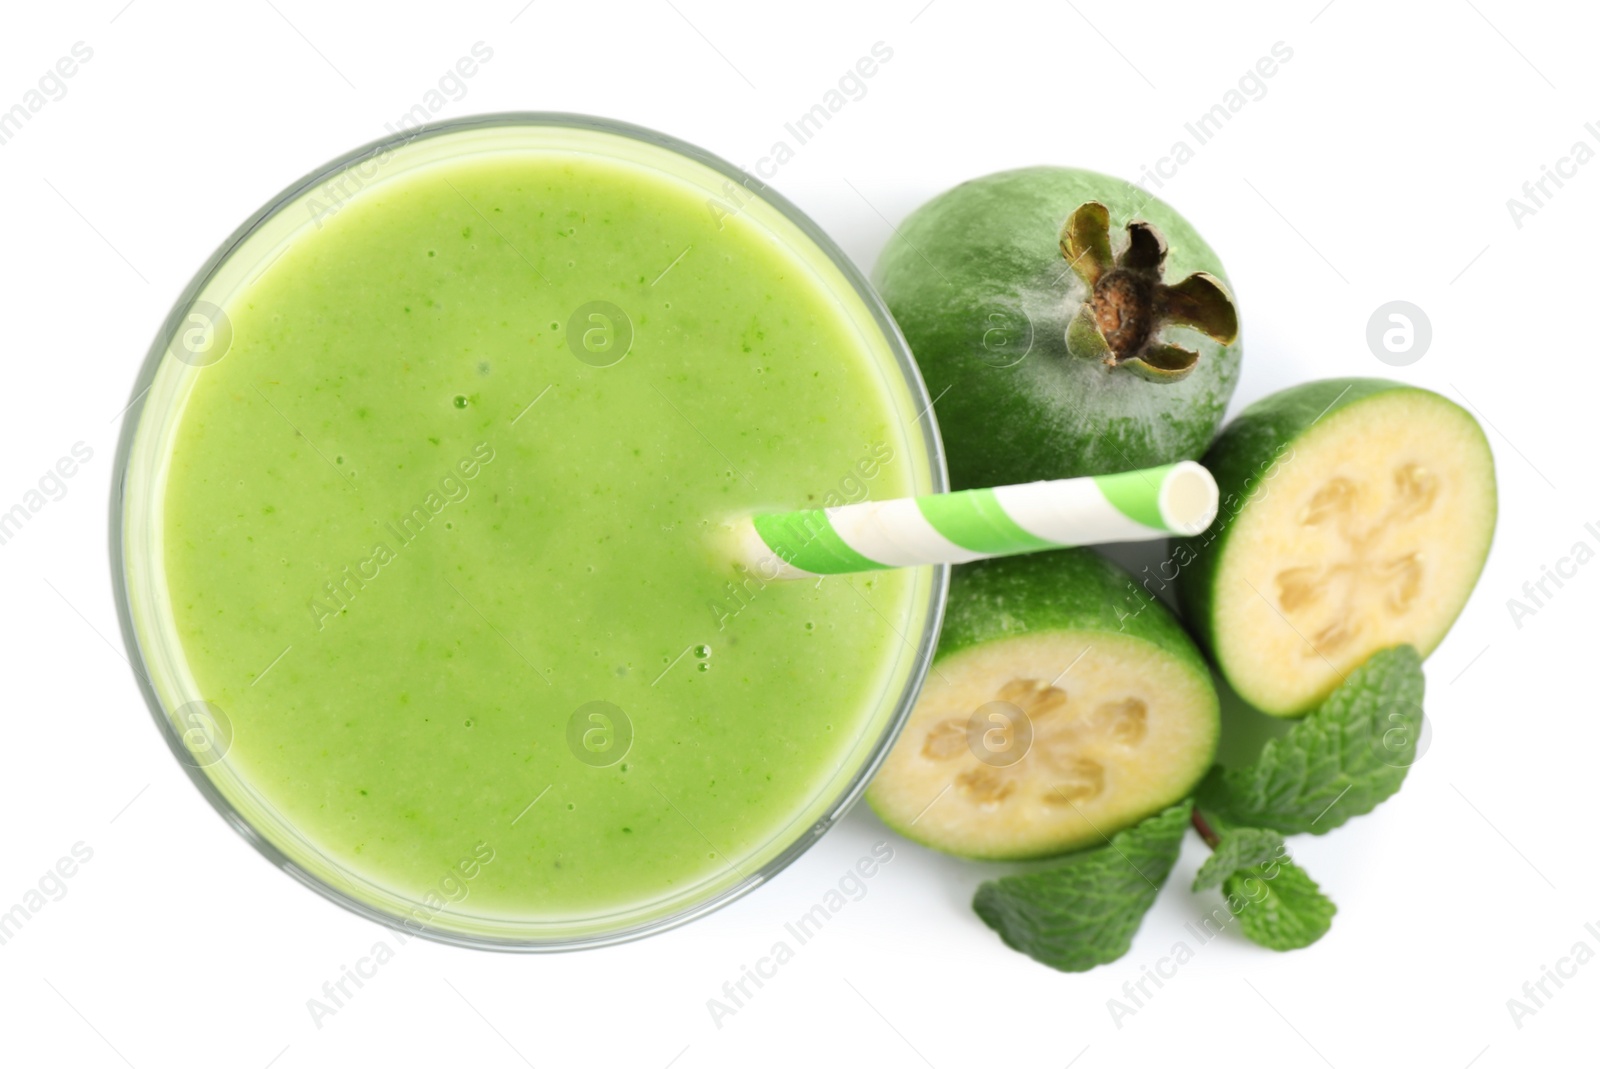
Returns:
point(1189, 498)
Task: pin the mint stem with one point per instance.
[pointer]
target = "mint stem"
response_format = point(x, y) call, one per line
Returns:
point(1207, 832)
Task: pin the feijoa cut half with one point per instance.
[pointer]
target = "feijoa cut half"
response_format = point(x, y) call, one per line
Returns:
point(1356, 514)
point(1063, 705)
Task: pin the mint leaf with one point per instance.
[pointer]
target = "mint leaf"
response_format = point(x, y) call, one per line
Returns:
point(1240, 848)
point(1283, 908)
point(1341, 761)
point(1276, 903)
point(1083, 911)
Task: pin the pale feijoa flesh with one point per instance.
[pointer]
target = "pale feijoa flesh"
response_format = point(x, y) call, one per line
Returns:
point(1356, 514)
point(1063, 705)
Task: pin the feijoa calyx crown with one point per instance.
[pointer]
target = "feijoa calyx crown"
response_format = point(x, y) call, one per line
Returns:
point(1129, 304)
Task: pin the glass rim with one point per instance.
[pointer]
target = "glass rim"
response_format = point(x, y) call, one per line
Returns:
point(904, 364)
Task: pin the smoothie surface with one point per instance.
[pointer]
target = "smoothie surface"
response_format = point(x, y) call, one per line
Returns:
point(409, 534)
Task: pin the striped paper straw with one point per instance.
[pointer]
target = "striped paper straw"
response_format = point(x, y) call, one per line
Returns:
point(1132, 506)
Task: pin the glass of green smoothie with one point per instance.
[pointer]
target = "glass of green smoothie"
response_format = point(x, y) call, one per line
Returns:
point(418, 531)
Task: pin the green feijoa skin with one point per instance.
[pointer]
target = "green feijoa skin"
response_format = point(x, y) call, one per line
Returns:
point(1067, 322)
point(1064, 704)
point(1356, 514)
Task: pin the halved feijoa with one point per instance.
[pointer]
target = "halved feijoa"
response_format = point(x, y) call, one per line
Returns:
point(1356, 514)
point(1063, 705)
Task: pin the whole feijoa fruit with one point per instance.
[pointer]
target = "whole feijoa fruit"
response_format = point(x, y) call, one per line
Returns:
point(1067, 323)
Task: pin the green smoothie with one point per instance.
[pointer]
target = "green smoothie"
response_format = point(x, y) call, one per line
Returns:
point(439, 536)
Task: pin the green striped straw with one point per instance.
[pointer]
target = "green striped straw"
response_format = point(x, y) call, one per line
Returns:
point(1132, 506)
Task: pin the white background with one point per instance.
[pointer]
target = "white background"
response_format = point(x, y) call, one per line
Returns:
point(1377, 167)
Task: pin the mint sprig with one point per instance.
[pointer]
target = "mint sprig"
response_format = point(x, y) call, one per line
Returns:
point(1238, 848)
point(1341, 761)
point(1084, 911)
point(1284, 909)
point(1276, 903)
